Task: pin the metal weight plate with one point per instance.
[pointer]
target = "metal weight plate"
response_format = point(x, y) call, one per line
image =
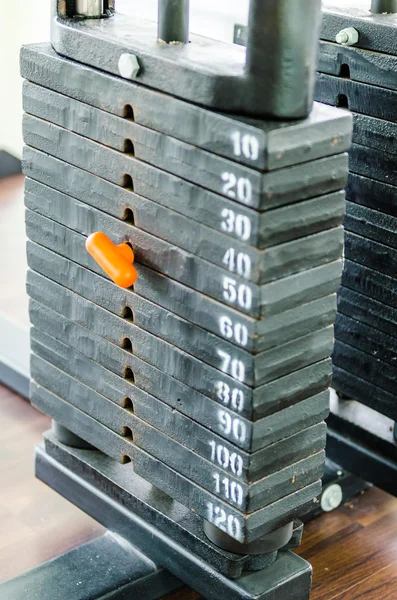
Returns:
point(367, 367)
point(257, 337)
point(373, 255)
point(352, 386)
point(207, 71)
point(278, 362)
point(145, 406)
point(164, 152)
point(263, 145)
point(369, 162)
point(243, 528)
point(283, 294)
point(368, 311)
point(260, 266)
point(246, 498)
point(173, 521)
point(365, 66)
point(375, 133)
point(370, 283)
point(286, 260)
point(359, 97)
point(281, 187)
point(276, 396)
point(373, 194)
point(378, 31)
point(189, 162)
point(371, 341)
point(241, 227)
point(246, 467)
point(371, 224)
point(186, 336)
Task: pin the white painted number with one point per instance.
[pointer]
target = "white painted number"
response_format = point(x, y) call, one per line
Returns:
point(234, 399)
point(241, 294)
point(232, 427)
point(230, 461)
point(232, 366)
point(231, 490)
point(240, 225)
point(236, 331)
point(240, 189)
point(246, 145)
point(227, 523)
point(240, 263)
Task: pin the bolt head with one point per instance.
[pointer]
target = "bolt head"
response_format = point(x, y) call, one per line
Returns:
point(347, 37)
point(331, 497)
point(129, 66)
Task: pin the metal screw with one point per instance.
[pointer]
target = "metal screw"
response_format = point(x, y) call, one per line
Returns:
point(331, 497)
point(347, 37)
point(128, 66)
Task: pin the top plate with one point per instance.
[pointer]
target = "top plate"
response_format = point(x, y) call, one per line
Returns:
point(377, 31)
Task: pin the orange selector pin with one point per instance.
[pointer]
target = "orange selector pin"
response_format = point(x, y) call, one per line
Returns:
point(116, 261)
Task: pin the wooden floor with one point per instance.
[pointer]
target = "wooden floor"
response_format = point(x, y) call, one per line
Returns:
point(353, 550)
point(13, 263)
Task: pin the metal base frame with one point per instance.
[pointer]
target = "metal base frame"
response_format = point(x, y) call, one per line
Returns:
point(362, 441)
point(108, 568)
point(74, 473)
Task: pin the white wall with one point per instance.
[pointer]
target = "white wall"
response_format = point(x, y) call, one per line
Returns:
point(21, 22)
point(213, 18)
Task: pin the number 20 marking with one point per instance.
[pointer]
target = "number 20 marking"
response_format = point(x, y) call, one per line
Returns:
point(240, 189)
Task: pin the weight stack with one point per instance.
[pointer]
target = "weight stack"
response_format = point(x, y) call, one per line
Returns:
point(210, 374)
point(363, 78)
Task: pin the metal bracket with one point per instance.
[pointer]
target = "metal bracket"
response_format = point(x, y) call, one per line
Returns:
point(102, 489)
point(362, 441)
point(274, 77)
point(124, 573)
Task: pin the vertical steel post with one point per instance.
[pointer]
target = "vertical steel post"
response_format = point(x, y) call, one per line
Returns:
point(89, 8)
point(384, 6)
point(282, 47)
point(173, 21)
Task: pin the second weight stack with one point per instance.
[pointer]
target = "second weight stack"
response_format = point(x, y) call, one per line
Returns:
point(210, 371)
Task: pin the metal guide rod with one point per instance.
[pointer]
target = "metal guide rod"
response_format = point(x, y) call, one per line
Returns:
point(281, 50)
point(89, 8)
point(173, 21)
point(384, 6)
point(282, 34)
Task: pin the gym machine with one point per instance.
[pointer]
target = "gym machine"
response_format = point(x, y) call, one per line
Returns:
point(184, 208)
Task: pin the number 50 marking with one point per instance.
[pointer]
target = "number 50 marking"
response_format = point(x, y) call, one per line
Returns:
point(242, 294)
